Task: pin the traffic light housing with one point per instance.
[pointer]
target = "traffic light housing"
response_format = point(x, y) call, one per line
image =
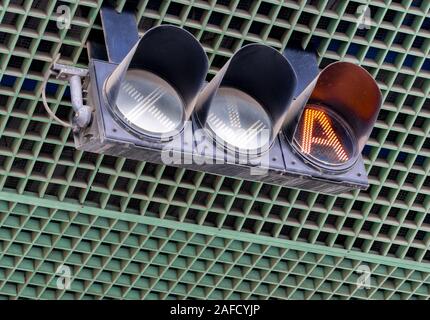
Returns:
point(265, 116)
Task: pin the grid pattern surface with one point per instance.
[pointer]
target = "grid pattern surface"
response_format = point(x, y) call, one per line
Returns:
point(114, 258)
point(38, 160)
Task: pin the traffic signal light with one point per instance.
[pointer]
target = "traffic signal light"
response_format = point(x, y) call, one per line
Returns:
point(329, 124)
point(264, 116)
point(244, 106)
point(152, 91)
point(338, 111)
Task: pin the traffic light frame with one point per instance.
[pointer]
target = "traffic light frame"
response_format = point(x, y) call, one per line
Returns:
point(282, 164)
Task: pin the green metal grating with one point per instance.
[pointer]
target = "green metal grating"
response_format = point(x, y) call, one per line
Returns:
point(123, 258)
point(136, 230)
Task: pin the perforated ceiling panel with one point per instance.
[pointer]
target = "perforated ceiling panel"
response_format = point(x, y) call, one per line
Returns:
point(129, 229)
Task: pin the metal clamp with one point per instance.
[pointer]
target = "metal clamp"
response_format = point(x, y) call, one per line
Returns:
point(74, 75)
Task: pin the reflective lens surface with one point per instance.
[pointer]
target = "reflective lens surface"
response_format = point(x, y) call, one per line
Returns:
point(238, 121)
point(323, 138)
point(149, 104)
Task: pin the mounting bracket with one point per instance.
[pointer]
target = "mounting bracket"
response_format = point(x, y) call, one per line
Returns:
point(119, 41)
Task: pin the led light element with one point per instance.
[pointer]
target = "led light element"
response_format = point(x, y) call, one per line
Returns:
point(238, 121)
point(323, 138)
point(149, 104)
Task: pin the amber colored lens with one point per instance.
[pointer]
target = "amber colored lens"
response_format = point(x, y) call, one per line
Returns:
point(351, 93)
point(323, 138)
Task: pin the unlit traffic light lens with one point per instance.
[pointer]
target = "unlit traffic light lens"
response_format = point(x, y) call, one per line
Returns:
point(238, 121)
point(149, 104)
point(323, 138)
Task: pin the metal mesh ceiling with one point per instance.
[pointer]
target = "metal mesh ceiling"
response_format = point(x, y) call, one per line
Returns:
point(132, 229)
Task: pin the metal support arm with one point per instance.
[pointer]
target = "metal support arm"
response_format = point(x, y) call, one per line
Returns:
point(74, 75)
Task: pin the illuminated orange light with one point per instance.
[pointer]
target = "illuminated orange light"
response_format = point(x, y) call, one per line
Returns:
point(311, 116)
